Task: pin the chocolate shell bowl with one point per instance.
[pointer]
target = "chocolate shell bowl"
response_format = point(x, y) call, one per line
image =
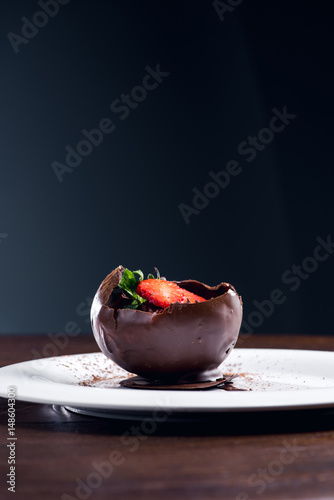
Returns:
point(178, 344)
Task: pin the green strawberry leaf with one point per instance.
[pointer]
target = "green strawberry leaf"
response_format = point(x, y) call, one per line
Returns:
point(158, 277)
point(140, 273)
point(129, 284)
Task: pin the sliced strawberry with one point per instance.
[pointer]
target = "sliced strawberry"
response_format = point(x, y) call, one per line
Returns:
point(163, 293)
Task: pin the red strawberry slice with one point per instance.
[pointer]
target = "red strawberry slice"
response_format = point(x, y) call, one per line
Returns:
point(163, 293)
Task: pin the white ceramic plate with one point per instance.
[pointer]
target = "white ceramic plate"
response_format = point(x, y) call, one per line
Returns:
point(274, 379)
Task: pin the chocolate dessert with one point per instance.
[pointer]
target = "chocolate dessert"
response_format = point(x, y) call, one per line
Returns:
point(169, 331)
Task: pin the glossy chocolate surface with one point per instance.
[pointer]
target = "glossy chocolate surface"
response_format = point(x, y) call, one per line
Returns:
point(185, 342)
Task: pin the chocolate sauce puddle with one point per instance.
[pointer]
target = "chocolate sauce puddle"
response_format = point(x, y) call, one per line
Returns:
point(225, 383)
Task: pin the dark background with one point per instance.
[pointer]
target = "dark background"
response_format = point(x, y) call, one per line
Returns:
point(58, 240)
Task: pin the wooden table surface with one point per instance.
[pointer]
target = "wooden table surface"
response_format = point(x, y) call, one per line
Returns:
point(61, 455)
